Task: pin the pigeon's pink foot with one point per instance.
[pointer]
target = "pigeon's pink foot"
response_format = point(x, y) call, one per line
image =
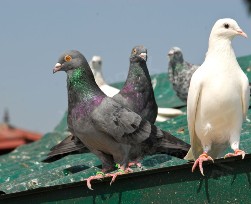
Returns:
point(119, 172)
point(135, 163)
point(237, 152)
point(98, 176)
point(203, 157)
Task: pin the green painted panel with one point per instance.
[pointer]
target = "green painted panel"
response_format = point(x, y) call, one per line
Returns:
point(226, 181)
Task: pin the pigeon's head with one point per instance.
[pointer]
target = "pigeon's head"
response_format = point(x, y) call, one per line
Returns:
point(139, 52)
point(226, 28)
point(175, 54)
point(96, 63)
point(70, 60)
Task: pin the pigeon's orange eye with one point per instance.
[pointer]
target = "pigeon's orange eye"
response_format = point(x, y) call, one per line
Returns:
point(67, 58)
point(134, 51)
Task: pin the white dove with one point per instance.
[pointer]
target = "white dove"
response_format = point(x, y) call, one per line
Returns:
point(218, 98)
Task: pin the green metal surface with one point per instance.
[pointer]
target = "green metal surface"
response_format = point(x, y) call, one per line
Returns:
point(226, 181)
point(21, 170)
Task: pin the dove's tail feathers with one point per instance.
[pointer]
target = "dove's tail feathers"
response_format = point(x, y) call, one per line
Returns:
point(70, 145)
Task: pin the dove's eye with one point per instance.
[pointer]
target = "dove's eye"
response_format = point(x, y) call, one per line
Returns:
point(134, 51)
point(226, 25)
point(67, 58)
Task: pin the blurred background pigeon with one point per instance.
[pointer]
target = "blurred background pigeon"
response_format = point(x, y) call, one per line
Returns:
point(180, 73)
point(96, 67)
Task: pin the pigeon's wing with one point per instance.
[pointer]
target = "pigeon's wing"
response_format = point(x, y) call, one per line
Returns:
point(245, 96)
point(128, 100)
point(127, 127)
point(70, 145)
point(192, 103)
point(170, 74)
point(124, 125)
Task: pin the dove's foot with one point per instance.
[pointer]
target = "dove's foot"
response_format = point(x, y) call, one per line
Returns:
point(237, 152)
point(99, 176)
point(203, 157)
point(119, 172)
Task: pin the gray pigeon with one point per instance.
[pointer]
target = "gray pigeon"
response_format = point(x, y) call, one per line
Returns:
point(180, 73)
point(137, 93)
point(113, 133)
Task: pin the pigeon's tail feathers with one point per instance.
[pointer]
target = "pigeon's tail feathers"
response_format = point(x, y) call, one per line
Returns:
point(70, 145)
point(69, 141)
point(171, 145)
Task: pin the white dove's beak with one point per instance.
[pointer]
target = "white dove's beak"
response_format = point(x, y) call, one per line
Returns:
point(143, 55)
point(57, 67)
point(240, 32)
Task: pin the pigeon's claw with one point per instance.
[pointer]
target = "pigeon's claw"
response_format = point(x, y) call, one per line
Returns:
point(203, 157)
point(237, 152)
point(114, 176)
point(135, 163)
point(98, 176)
point(119, 172)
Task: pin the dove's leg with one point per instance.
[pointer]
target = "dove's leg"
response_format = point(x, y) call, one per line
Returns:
point(203, 157)
point(237, 151)
point(107, 165)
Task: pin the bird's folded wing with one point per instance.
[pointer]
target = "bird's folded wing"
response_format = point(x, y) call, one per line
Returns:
point(192, 103)
point(245, 97)
point(124, 125)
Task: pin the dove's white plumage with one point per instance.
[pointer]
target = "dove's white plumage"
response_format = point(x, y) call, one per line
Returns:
point(218, 97)
point(96, 67)
point(109, 90)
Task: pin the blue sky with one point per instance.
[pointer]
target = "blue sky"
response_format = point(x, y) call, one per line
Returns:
point(34, 33)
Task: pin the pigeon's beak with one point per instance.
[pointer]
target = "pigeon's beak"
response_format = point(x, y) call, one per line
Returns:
point(170, 53)
point(143, 55)
point(57, 68)
point(240, 32)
